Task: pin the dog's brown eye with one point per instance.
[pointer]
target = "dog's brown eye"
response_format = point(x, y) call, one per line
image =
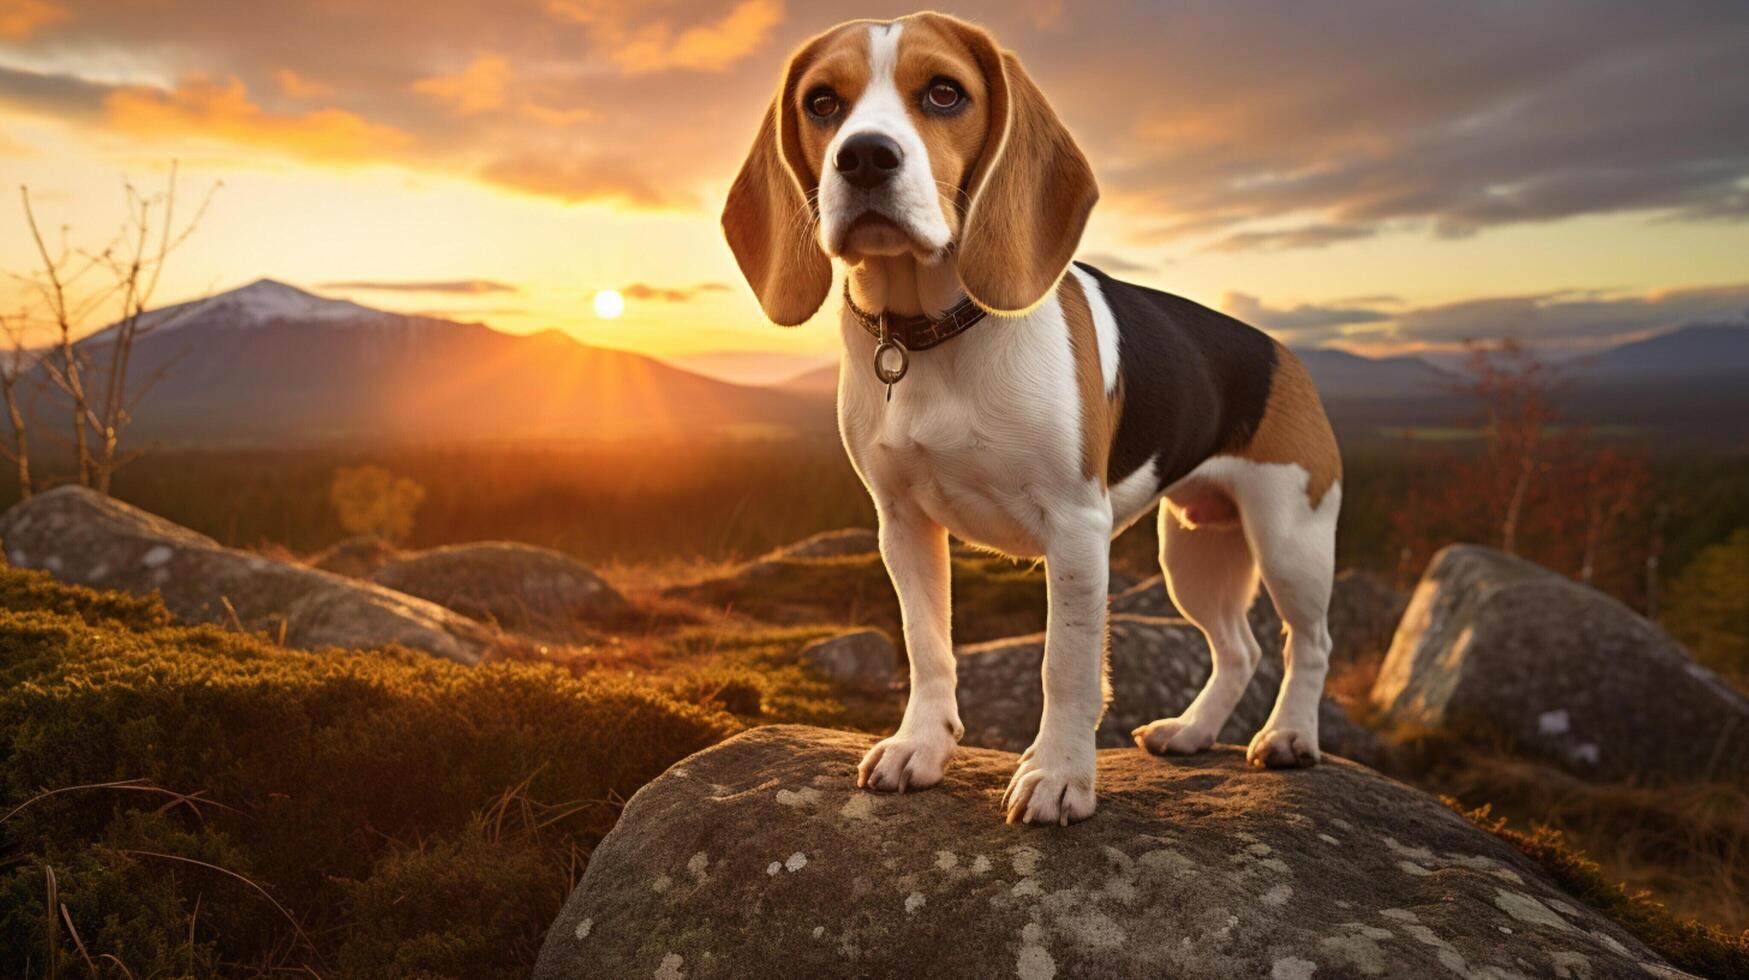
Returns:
point(823, 102)
point(944, 95)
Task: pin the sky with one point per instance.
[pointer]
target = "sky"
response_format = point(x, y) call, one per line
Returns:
point(1382, 175)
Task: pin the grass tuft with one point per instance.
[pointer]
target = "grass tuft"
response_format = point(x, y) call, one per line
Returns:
point(190, 801)
point(1691, 945)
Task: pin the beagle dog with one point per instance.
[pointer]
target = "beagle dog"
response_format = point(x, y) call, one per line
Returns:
point(992, 389)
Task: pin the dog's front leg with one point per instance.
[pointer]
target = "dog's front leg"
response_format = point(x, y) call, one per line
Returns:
point(915, 550)
point(1054, 782)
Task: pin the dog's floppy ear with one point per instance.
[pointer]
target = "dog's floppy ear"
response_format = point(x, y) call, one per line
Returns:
point(769, 218)
point(1030, 191)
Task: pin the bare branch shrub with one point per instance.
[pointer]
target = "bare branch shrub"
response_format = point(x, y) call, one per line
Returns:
point(90, 370)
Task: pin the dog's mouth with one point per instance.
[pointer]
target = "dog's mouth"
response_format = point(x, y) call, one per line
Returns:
point(873, 233)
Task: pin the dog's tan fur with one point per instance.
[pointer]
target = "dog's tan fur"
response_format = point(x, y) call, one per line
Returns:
point(1099, 412)
point(1294, 429)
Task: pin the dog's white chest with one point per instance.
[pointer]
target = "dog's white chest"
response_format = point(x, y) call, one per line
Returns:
point(977, 434)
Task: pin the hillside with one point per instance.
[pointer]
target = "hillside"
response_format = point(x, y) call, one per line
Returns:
point(271, 364)
point(1696, 350)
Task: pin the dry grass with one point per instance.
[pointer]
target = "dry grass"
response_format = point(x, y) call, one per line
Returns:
point(1686, 847)
point(1691, 944)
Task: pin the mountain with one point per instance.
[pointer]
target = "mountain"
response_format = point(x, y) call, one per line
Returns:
point(822, 380)
point(1699, 349)
point(1342, 375)
point(270, 363)
point(1338, 374)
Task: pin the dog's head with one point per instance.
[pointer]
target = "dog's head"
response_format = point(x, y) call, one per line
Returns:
point(916, 136)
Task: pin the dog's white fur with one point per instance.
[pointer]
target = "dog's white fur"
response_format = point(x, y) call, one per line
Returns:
point(908, 198)
point(981, 439)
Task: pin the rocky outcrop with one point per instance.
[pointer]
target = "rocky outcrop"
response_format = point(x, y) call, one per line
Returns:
point(1156, 668)
point(862, 660)
point(1364, 611)
point(759, 857)
point(517, 586)
point(833, 544)
point(1499, 647)
point(81, 536)
point(356, 557)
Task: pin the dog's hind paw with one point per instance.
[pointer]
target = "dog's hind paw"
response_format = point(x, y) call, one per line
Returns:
point(905, 762)
point(1174, 736)
point(1283, 748)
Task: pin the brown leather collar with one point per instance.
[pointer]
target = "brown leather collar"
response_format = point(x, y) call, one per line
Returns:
point(917, 332)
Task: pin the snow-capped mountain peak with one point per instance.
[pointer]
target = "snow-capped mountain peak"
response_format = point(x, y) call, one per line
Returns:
point(261, 302)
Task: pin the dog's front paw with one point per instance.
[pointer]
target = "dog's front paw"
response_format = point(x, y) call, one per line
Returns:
point(1051, 786)
point(1283, 748)
point(905, 761)
point(1175, 736)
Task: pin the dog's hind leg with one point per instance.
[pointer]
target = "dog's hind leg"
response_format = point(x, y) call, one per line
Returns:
point(915, 551)
point(1212, 579)
point(1294, 541)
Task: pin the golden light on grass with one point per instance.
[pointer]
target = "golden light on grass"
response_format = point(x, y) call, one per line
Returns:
point(609, 304)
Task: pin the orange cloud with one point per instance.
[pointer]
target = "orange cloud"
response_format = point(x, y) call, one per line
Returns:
point(548, 115)
point(479, 88)
point(299, 87)
point(201, 108)
point(575, 180)
point(655, 47)
point(19, 19)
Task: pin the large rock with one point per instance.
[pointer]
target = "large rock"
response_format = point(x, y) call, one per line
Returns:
point(1364, 612)
point(863, 660)
point(517, 586)
point(356, 557)
point(1156, 668)
point(759, 857)
point(1496, 646)
point(82, 536)
point(833, 544)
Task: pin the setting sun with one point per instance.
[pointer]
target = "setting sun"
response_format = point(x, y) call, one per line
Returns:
point(609, 304)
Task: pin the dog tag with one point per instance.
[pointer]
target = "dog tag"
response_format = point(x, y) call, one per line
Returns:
point(891, 359)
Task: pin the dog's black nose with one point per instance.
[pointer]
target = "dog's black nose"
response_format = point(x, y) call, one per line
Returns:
point(867, 159)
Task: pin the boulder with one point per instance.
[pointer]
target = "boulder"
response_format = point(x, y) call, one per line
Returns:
point(1155, 667)
point(356, 557)
point(84, 537)
point(759, 857)
point(833, 544)
point(517, 586)
point(863, 660)
point(1496, 646)
point(1364, 611)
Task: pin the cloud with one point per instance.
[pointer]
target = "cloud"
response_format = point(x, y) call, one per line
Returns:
point(1303, 323)
point(200, 108)
point(656, 47)
point(479, 87)
point(1233, 127)
point(671, 294)
point(19, 19)
point(1567, 318)
point(296, 86)
point(466, 286)
point(1115, 263)
point(1441, 123)
point(575, 180)
point(1305, 236)
point(58, 96)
